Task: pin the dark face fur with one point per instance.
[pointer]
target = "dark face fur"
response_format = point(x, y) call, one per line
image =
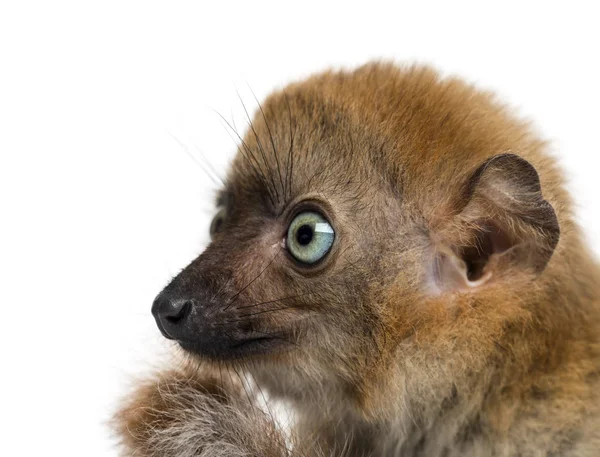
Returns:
point(250, 293)
point(416, 199)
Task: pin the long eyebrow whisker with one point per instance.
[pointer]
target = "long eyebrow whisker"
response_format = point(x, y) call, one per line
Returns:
point(270, 187)
point(283, 187)
point(290, 161)
point(208, 164)
point(259, 144)
point(245, 151)
point(204, 165)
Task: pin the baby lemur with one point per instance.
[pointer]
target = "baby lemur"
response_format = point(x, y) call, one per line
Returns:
point(395, 257)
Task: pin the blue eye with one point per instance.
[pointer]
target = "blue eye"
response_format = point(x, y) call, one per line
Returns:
point(309, 237)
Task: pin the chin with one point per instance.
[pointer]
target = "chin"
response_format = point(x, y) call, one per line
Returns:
point(252, 348)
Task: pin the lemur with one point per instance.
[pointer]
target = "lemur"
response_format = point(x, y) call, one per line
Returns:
point(395, 257)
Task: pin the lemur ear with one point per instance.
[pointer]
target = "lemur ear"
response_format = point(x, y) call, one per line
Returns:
point(501, 226)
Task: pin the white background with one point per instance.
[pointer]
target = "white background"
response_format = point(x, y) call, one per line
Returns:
point(100, 206)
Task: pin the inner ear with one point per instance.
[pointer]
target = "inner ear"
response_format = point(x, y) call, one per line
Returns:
point(488, 240)
point(501, 226)
point(473, 264)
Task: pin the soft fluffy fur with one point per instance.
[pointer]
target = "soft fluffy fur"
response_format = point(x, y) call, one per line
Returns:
point(383, 359)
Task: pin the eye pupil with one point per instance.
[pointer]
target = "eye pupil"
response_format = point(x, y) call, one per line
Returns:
point(304, 235)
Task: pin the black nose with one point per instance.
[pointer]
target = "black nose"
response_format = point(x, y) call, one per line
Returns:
point(171, 315)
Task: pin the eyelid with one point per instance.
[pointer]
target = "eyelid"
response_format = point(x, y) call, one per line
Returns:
point(309, 203)
point(220, 214)
point(223, 197)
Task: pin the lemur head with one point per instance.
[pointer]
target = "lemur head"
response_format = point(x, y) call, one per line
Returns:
point(365, 210)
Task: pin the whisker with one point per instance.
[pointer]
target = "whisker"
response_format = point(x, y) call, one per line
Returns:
point(206, 168)
point(275, 301)
point(230, 376)
point(266, 311)
point(208, 164)
point(245, 151)
point(262, 394)
point(244, 387)
point(290, 160)
point(234, 298)
point(264, 173)
point(283, 187)
point(221, 363)
point(260, 147)
point(216, 295)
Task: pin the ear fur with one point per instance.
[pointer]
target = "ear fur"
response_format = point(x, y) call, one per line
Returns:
point(502, 225)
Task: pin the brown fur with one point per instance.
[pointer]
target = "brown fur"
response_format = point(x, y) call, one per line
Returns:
point(372, 357)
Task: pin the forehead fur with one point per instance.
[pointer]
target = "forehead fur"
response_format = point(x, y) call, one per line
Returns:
point(406, 129)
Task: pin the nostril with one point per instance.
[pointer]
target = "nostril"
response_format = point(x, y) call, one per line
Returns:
point(171, 315)
point(178, 310)
point(171, 310)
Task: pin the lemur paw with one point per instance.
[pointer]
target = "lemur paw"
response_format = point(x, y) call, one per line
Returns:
point(176, 415)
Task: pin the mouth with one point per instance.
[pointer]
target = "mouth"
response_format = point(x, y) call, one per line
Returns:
point(253, 346)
